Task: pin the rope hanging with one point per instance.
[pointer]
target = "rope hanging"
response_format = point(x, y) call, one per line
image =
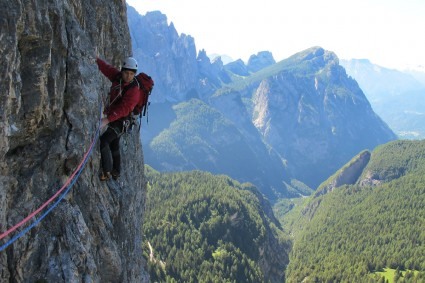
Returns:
point(68, 185)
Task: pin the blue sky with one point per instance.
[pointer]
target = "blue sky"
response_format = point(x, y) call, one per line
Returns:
point(390, 33)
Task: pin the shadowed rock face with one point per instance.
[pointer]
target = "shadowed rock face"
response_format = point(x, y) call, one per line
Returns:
point(348, 175)
point(50, 105)
point(316, 116)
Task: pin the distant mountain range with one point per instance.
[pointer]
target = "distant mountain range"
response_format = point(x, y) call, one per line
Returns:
point(289, 127)
point(284, 126)
point(398, 97)
point(224, 58)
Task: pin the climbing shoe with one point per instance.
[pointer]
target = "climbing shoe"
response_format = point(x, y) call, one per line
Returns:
point(115, 174)
point(105, 176)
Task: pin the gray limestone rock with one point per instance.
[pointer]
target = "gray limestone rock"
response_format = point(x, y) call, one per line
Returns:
point(50, 107)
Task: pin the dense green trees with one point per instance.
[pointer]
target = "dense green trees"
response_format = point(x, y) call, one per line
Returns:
point(354, 231)
point(205, 228)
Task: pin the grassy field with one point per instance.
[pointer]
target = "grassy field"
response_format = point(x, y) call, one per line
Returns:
point(389, 273)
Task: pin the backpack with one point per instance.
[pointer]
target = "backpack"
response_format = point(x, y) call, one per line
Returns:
point(145, 84)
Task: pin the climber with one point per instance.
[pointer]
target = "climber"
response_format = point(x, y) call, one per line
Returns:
point(123, 97)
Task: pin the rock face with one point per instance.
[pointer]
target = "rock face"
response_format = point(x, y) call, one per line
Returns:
point(316, 116)
point(50, 109)
point(238, 67)
point(260, 61)
point(171, 59)
point(164, 55)
point(347, 175)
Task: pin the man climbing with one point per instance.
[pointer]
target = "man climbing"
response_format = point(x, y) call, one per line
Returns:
point(123, 97)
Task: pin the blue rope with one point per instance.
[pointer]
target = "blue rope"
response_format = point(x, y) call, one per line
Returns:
point(23, 232)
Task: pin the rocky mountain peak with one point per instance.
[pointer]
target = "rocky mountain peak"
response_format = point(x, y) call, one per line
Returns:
point(303, 114)
point(316, 57)
point(217, 61)
point(169, 58)
point(305, 107)
point(238, 67)
point(261, 60)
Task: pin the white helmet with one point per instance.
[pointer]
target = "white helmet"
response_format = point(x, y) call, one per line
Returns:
point(130, 64)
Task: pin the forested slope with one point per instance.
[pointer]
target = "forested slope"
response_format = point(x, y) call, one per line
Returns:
point(205, 228)
point(356, 230)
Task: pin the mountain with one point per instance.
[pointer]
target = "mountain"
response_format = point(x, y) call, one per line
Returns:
point(260, 61)
point(255, 63)
point(155, 47)
point(238, 68)
point(201, 227)
point(171, 59)
point(314, 115)
point(418, 73)
point(282, 126)
point(367, 223)
point(397, 97)
point(170, 143)
point(226, 59)
point(83, 230)
point(200, 136)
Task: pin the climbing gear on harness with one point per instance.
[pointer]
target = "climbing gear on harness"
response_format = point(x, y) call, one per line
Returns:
point(129, 124)
point(126, 125)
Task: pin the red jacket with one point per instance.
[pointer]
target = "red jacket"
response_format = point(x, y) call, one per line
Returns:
point(120, 105)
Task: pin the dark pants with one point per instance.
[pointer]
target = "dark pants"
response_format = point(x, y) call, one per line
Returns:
point(110, 148)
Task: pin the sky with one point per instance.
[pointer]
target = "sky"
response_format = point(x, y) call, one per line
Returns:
point(390, 33)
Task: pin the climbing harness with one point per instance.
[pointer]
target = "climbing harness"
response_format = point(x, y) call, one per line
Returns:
point(127, 129)
point(65, 189)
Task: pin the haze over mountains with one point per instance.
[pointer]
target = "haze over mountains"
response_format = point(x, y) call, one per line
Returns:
point(281, 125)
point(250, 120)
point(398, 97)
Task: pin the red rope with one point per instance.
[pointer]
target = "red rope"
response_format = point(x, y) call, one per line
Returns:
point(26, 219)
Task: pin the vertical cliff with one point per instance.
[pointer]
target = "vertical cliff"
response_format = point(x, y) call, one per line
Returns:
point(315, 116)
point(50, 103)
